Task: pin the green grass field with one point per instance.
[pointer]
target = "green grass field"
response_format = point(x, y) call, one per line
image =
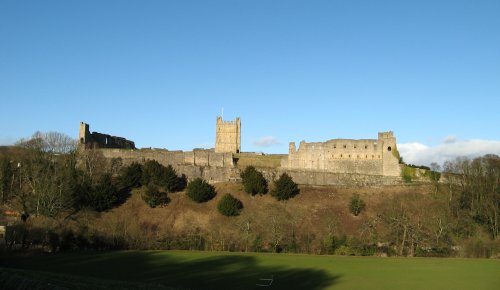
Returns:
point(216, 270)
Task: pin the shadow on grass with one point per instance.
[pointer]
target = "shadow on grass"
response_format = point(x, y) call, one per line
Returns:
point(183, 270)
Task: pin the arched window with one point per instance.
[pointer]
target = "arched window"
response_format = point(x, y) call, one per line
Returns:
point(389, 148)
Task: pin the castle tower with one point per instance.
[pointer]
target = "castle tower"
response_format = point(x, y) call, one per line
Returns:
point(390, 155)
point(84, 136)
point(228, 136)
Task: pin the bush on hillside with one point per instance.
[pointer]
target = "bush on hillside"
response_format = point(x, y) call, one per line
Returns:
point(229, 205)
point(253, 181)
point(285, 188)
point(408, 174)
point(100, 197)
point(199, 190)
point(131, 176)
point(152, 172)
point(154, 197)
point(164, 176)
point(170, 180)
point(356, 205)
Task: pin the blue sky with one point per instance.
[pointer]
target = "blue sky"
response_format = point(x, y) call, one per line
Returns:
point(159, 72)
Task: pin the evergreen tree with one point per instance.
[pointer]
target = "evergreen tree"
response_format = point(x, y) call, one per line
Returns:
point(285, 188)
point(253, 181)
point(229, 205)
point(199, 190)
point(154, 197)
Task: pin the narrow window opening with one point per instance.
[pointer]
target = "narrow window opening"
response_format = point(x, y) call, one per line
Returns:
point(389, 148)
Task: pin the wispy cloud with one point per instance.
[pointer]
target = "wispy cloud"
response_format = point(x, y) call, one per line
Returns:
point(204, 145)
point(6, 141)
point(266, 141)
point(420, 154)
point(450, 139)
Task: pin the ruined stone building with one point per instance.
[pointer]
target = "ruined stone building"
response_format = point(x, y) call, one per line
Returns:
point(365, 156)
point(99, 140)
point(228, 136)
point(334, 162)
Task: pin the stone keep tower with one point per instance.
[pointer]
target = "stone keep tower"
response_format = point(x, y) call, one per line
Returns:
point(84, 133)
point(390, 161)
point(228, 136)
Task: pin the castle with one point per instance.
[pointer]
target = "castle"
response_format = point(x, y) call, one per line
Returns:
point(366, 156)
point(228, 136)
point(98, 140)
point(334, 162)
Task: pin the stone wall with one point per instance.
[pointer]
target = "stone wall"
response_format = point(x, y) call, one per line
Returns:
point(366, 156)
point(198, 157)
point(334, 162)
point(99, 140)
point(207, 164)
point(228, 136)
point(340, 179)
point(219, 167)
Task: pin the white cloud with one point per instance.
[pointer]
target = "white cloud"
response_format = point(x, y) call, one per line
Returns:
point(266, 141)
point(450, 139)
point(204, 145)
point(420, 154)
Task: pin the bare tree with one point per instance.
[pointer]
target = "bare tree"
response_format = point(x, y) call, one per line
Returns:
point(59, 143)
point(50, 142)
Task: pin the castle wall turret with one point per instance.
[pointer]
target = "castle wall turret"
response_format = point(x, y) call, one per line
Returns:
point(228, 136)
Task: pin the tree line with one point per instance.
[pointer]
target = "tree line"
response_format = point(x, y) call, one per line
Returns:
point(40, 177)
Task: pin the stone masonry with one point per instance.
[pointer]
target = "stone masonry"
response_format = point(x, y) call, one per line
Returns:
point(99, 140)
point(228, 136)
point(366, 156)
point(334, 162)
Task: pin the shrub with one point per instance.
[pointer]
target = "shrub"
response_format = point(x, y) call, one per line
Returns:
point(337, 242)
point(434, 176)
point(153, 197)
point(170, 180)
point(229, 205)
point(408, 173)
point(102, 196)
point(162, 176)
point(253, 181)
point(152, 172)
point(285, 188)
point(199, 190)
point(131, 176)
point(344, 251)
point(356, 205)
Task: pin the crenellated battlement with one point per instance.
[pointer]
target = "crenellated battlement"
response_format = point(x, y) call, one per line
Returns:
point(364, 156)
point(315, 163)
point(228, 136)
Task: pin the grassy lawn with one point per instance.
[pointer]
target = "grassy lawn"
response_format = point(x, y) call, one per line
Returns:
point(216, 270)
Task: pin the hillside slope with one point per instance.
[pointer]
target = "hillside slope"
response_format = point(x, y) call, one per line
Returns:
point(308, 220)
